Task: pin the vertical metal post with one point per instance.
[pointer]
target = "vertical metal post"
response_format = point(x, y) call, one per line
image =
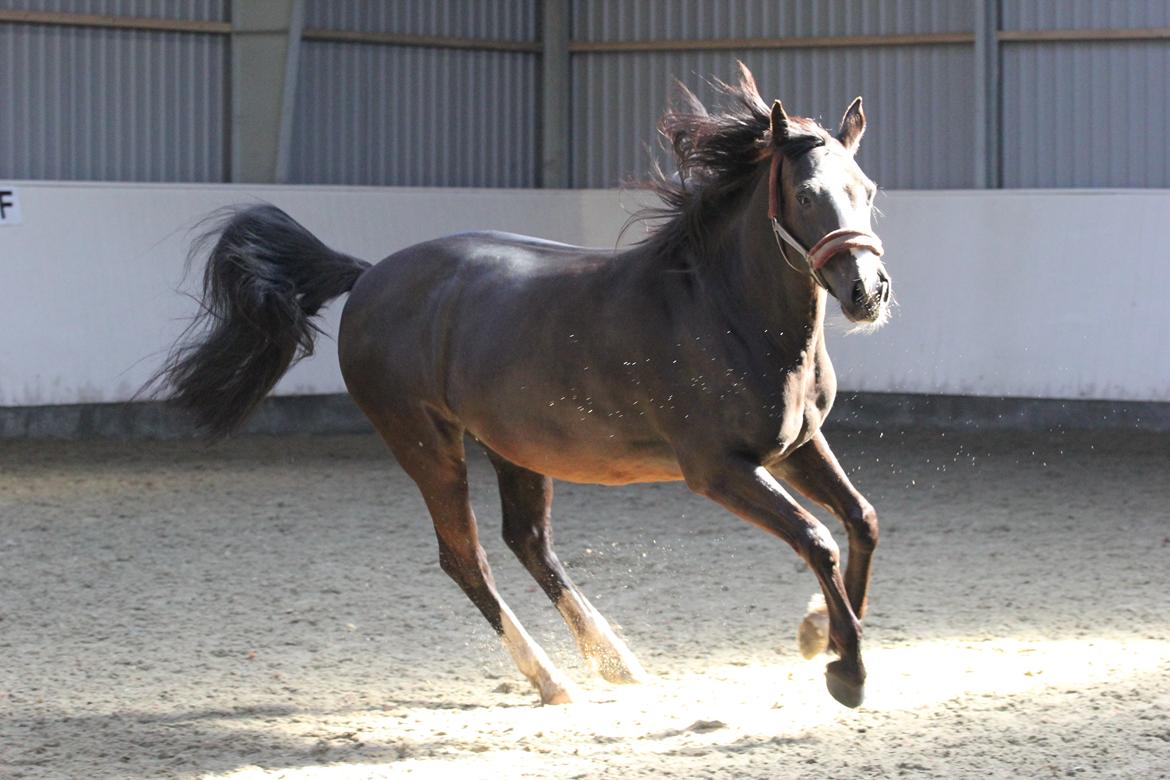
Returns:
point(292, 67)
point(555, 77)
point(988, 93)
point(265, 49)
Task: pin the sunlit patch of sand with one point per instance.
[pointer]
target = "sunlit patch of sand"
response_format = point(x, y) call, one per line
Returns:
point(725, 708)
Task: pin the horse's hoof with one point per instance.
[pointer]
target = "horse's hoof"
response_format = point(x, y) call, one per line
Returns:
point(619, 668)
point(557, 694)
point(845, 684)
point(623, 675)
point(813, 634)
point(556, 688)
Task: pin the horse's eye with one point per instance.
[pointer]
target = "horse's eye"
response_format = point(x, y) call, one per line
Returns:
point(804, 200)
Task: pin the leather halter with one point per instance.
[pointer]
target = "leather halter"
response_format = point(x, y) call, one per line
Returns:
point(829, 245)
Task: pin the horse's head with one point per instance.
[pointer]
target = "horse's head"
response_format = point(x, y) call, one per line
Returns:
point(821, 204)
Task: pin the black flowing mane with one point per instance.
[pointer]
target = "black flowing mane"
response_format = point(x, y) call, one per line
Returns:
point(715, 158)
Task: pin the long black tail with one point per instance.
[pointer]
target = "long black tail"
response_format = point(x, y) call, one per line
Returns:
point(266, 277)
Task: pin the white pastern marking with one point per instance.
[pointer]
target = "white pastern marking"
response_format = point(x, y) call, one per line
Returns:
point(533, 663)
point(597, 641)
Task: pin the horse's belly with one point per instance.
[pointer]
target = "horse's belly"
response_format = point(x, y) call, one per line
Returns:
point(586, 458)
point(593, 471)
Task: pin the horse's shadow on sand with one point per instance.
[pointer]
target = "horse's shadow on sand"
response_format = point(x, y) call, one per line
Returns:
point(212, 742)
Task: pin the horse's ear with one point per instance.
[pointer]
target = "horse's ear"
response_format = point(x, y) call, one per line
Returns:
point(852, 126)
point(779, 123)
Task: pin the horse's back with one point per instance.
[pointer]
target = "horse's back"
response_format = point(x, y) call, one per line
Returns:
point(405, 313)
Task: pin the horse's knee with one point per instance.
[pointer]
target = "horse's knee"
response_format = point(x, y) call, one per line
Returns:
point(862, 524)
point(528, 541)
point(452, 565)
point(464, 564)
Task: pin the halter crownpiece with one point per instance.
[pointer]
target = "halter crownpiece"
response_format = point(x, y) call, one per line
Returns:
point(829, 245)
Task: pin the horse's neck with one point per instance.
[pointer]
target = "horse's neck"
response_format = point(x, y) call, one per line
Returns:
point(801, 320)
point(780, 300)
point(748, 284)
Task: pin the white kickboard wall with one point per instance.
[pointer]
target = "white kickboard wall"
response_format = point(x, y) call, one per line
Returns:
point(1047, 294)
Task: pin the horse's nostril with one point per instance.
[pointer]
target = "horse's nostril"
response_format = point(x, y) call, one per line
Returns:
point(859, 293)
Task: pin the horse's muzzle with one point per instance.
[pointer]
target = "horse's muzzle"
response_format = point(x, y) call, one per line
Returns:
point(866, 298)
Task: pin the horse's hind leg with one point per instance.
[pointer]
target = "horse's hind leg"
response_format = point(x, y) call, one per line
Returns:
point(430, 450)
point(527, 500)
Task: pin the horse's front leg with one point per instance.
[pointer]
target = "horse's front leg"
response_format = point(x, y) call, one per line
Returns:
point(814, 472)
point(748, 490)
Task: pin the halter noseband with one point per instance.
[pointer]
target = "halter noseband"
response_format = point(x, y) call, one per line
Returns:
point(829, 245)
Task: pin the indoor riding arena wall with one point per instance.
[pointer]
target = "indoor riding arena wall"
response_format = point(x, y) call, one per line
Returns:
point(1031, 295)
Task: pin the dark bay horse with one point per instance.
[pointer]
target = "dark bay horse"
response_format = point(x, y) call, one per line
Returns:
point(697, 355)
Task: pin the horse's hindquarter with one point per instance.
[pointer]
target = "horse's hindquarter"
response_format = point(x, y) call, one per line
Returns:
point(390, 342)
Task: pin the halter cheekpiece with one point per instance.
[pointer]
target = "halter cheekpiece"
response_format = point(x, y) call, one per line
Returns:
point(829, 245)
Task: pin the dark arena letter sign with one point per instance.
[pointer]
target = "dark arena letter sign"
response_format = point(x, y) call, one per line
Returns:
point(9, 206)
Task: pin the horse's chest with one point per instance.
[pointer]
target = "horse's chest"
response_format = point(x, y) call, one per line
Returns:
point(749, 402)
point(803, 402)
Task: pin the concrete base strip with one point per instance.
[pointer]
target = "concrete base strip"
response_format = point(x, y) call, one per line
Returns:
point(331, 414)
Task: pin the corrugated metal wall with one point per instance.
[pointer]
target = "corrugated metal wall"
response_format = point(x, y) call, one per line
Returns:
point(917, 97)
point(502, 20)
point(200, 10)
point(381, 114)
point(112, 104)
point(621, 20)
point(109, 104)
point(1083, 14)
point(1086, 114)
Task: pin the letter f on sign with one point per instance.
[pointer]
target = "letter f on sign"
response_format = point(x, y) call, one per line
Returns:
point(9, 207)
